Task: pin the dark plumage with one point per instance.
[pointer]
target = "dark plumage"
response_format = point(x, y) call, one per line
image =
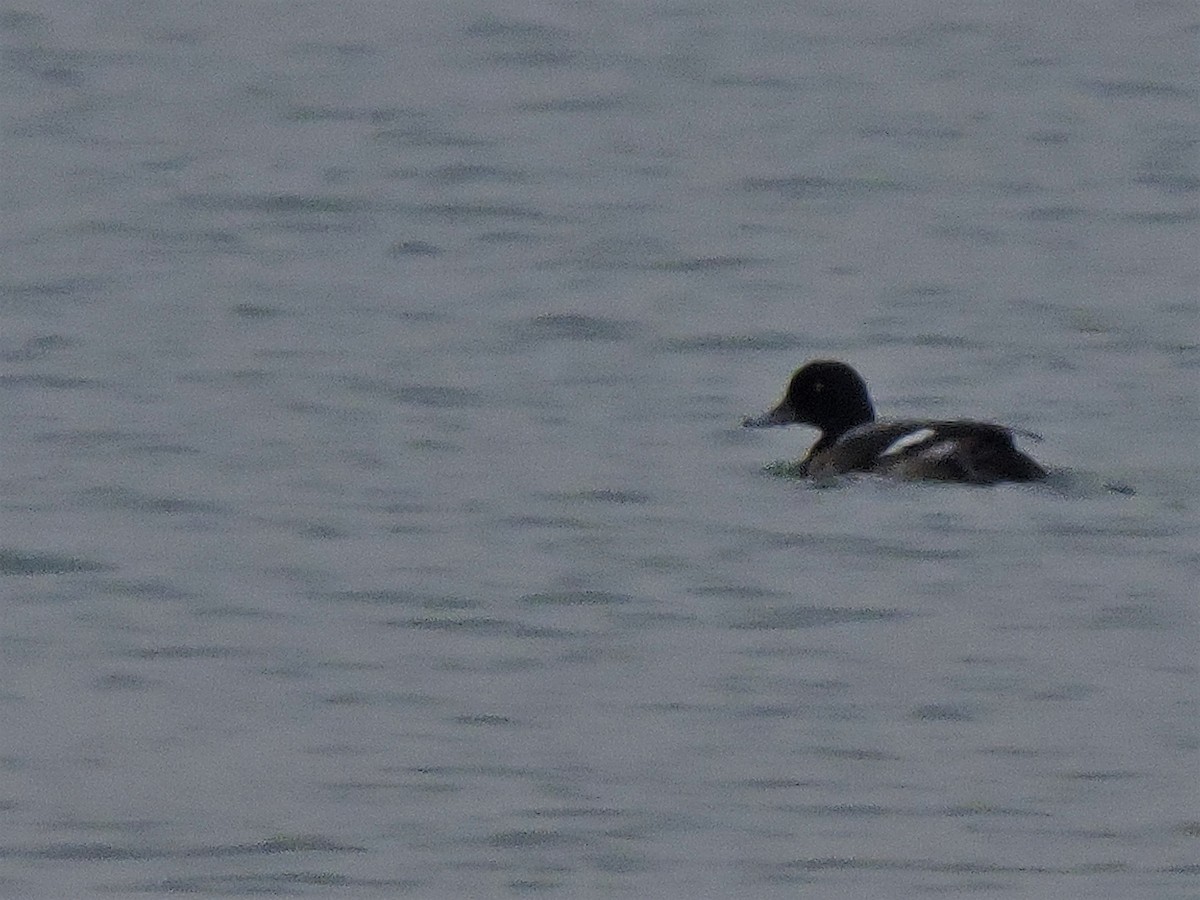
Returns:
point(831, 396)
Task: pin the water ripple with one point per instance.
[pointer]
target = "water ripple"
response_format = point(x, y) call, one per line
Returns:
point(23, 562)
point(787, 618)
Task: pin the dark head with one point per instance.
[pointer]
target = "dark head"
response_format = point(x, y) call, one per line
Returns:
point(824, 393)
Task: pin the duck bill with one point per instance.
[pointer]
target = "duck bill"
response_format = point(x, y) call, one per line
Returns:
point(783, 414)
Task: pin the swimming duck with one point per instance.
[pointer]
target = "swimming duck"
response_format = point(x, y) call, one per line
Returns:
point(833, 397)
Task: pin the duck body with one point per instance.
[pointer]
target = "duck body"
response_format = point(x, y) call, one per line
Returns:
point(833, 398)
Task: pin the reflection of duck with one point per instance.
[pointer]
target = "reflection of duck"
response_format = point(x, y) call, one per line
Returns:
point(833, 397)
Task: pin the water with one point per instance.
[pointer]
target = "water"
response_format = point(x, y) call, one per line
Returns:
point(375, 519)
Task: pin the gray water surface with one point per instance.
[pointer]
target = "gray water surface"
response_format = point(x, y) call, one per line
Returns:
point(375, 519)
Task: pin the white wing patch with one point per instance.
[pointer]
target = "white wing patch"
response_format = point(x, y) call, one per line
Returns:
point(905, 441)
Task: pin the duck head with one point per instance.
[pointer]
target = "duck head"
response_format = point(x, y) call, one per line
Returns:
point(824, 393)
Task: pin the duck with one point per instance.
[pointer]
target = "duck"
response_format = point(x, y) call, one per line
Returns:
point(832, 397)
